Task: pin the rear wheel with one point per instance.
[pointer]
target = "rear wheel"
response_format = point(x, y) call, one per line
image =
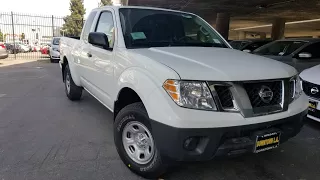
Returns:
point(73, 91)
point(135, 143)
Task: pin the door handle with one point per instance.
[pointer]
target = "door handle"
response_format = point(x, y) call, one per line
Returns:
point(89, 54)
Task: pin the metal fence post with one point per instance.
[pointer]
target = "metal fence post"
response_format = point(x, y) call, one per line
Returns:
point(52, 26)
point(14, 43)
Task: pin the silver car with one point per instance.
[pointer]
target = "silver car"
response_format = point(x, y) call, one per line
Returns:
point(299, 53)
point(54, 50)
point(3, 51)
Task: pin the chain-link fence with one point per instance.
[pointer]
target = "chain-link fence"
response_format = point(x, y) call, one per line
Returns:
point(27, 36)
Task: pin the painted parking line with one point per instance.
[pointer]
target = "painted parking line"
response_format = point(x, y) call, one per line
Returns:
point(1, 95)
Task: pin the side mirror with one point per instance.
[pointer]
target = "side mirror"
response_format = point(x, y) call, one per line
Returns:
point(99, 39)
point(247, 50)
point(304, 55)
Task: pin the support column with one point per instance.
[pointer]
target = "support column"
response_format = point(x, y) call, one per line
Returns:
point(242, 35)
point(125, 2)
point(278, 27)
point(263, 35)
point(222, 24)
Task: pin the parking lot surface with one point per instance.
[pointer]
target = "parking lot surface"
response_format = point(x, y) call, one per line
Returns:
point(43, 135)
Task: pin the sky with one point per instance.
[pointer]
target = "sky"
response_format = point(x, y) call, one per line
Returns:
point(43, 7)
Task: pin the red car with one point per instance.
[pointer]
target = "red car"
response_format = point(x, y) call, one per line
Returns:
point(44, 50)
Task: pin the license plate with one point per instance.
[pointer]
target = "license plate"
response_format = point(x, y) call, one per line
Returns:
point(312, 104)
point(267, 141)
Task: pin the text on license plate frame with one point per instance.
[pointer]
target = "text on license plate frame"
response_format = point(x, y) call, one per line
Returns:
point(313, 104)
point(267, 142)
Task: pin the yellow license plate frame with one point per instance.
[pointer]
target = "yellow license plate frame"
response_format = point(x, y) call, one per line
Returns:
point(313, 104)
point(267, 142)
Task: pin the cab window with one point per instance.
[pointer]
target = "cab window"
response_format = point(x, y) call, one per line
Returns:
point(105, 25)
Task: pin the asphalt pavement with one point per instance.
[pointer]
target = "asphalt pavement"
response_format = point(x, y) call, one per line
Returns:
point(43, 135)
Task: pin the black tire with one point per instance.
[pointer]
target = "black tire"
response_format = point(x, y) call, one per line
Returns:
point(74, 92)
point(137, 112)
point(51, 60)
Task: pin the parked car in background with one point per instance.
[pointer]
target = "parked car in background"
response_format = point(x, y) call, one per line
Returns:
point(23, 48)
point(35, 48)
point(311, 86)
point(299, 53)
point(178, 97)
point(12, 49)
point(44, 50)
point(3, 51)
point(249, 45)
point(54, 49)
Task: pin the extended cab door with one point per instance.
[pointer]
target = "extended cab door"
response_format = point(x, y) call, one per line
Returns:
point(101, 60)
point(308, 57)
point(83, 51)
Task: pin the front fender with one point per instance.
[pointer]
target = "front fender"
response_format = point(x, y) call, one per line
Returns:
point(144, 83)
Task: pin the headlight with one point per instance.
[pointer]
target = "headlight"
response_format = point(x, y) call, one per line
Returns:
point(297, 87)
point(190, 94)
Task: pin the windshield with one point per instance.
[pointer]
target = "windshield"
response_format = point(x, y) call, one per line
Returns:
point(143, 28)
point(56, 41)
point(280, 48)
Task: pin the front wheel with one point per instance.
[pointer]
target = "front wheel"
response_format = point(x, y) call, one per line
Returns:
point(135, 143)
point(73, 91)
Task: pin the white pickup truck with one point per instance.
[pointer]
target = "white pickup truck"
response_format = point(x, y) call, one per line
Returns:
point(177, 89)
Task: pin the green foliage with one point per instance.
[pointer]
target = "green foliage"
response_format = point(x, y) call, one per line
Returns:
point(1, 37)
point(23, 36)
point(105, 3)
point(74, 22)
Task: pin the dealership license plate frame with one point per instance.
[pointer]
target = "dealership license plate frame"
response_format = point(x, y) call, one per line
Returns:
point(314, 103)
point(267, 136)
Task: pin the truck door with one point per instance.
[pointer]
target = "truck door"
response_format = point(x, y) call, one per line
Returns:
point(82, 51)
point(102, 64)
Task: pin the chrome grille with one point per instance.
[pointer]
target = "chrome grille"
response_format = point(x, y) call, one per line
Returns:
point(225, 96)
point(307, 87)
point(253, 89)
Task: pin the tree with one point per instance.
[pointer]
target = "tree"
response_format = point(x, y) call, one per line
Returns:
point(105, 3)
point(74, 22)
point(23, 36)
point(1, 36)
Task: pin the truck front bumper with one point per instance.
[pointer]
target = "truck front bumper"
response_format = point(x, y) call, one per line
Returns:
point(207, 143)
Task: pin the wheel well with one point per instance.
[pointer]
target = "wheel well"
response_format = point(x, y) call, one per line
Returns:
point(64, 64)
point(126, 96)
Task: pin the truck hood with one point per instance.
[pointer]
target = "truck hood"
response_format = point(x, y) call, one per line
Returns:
point(217, 64)
point(311, 75)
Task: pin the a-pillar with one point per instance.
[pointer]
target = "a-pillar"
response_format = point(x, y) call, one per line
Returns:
point(263, 35)
point(242, 35)
point(222, 24)
point(278, 27)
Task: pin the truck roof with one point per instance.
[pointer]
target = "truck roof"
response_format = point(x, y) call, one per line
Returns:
point(139, 7)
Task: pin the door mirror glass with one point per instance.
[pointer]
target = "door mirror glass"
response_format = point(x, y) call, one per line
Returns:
point(247, 50)
point(99, 39)
point(305, 55)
